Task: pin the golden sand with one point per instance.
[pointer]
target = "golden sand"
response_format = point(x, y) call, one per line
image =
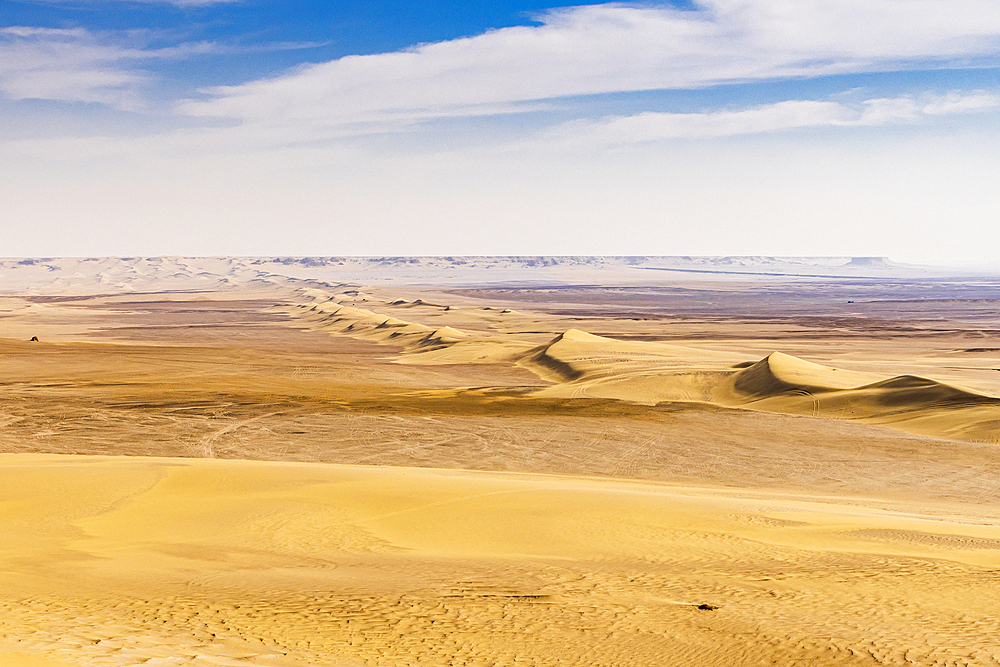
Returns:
point(118, 561)
point(341, 475)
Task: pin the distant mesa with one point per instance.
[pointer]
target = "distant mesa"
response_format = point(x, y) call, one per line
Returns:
point(129, 275)
point(869, 261)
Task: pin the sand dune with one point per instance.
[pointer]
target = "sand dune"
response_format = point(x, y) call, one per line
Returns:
point(425, 345)
point(602, 475)
point(780, 373)
point(576, 355)
point(583, 365)
point(114, 561)
point(780, 383)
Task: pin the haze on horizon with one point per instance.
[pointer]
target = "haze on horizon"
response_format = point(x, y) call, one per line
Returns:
point(720, 127)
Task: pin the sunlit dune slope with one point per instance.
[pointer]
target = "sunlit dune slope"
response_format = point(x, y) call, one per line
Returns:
point(780, 373)
point(442, 345)
point(781, 383)
point(577, 355)
point(582, 365)
point(125, 561)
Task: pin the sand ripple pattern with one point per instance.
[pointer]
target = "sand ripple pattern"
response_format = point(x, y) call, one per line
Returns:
point(285, 565)
point(599, 618)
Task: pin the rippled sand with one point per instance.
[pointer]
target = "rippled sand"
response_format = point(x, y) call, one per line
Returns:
point(120, 561)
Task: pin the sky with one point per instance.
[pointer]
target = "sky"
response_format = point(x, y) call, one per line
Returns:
point(389, 127)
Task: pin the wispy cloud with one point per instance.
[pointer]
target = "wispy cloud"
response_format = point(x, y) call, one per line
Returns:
point(110, 68)
point(615, 48)
point(76, 65)
point(788, 115)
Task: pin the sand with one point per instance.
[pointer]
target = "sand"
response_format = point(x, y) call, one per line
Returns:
point(584, 365)
point(116, 561)
point(215, 462)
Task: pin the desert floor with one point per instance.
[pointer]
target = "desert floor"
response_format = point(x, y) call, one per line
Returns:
point(300, 472)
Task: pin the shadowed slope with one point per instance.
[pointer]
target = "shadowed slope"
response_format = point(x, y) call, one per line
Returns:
point(779, 373)
point(583, 365)
point(780, 383)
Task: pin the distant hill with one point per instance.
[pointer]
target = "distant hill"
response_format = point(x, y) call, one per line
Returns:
point(126, 274)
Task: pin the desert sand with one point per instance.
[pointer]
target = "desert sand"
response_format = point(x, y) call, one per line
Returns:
point(693, 461)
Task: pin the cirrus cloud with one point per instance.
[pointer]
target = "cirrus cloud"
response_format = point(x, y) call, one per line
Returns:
point(787, 115)
point(617, 48)
point(77, 65)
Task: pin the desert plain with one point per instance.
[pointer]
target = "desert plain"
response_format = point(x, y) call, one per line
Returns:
point(498, 461)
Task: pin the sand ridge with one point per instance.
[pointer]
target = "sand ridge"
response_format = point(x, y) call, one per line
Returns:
point(583, 365)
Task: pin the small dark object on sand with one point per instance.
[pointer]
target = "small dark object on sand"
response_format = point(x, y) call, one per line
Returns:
point(707, 607)
point(34, 339)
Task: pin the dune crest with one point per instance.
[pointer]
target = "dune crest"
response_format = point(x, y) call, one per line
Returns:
point(781, 383)
point(580, 364)
point(421, 344)
point(780, 373)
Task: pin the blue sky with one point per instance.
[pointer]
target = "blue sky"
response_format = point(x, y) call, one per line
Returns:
point(267, 37)
point(780, 127)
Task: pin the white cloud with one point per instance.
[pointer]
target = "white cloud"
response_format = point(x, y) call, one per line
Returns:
point(788, 115)
point(76, 65)
point(962, 103)
point(67, 65)
point(614, 48)
point(264, 186)
point(652, 126)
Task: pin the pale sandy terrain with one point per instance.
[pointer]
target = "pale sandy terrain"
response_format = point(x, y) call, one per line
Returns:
point(162, 561)
point(254, 467)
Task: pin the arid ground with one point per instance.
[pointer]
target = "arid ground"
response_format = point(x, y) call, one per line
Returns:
point(559, 466)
